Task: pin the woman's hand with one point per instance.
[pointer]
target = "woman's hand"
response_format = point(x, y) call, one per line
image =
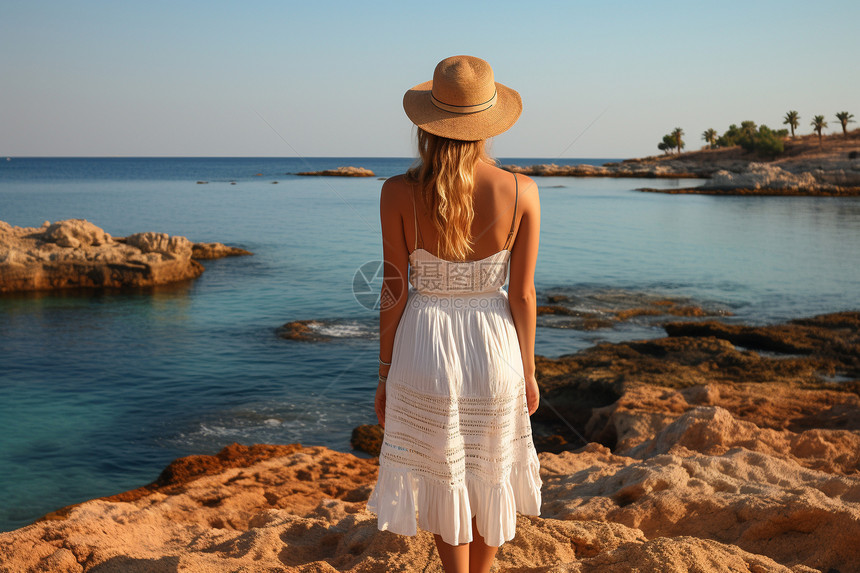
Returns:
point(532, 394)
point(379, 404)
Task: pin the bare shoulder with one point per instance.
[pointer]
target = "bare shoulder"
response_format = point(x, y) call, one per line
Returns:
point(394, 193)
point(528, 192)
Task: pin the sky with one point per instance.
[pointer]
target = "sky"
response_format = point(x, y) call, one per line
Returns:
point(324, 78)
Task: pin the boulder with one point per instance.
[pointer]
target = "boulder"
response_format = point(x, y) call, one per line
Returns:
point(210, 251)
point(77, 254)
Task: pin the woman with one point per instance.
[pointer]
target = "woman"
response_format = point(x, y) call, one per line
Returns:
point(456, 378)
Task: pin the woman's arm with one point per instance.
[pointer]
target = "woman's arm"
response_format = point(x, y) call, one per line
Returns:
point(394, 281)
point(521, 287)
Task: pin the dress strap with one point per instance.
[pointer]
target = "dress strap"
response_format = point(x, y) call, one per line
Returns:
point(514, 220)
point(415, 214)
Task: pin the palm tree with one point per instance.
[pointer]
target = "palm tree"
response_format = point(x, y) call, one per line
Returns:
point(792, 119)
point(667, 144)
point(818, 124)
point(677, 133)
point(710, 135)
point(845, 118)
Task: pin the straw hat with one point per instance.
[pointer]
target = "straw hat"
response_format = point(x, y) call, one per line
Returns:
point(463, 101)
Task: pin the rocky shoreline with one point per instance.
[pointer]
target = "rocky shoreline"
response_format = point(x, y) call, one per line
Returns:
point(807, 167)
point(720, 447)
point(75, 253)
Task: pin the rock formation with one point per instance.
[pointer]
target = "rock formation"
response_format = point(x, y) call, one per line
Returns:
point(805, 168)
point(638, 170)
point(700, 456)
point(77, 254)
point(668, 508)
point(307, 330)
point(209, 251)
point(341, 172)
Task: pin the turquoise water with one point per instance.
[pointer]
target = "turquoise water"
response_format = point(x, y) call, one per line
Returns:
point(98, 392)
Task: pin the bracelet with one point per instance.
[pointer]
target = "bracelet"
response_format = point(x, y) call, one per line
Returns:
point(384, 363)
point(382, 378)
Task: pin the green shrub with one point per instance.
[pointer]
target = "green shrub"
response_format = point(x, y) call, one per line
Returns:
point(762, 139)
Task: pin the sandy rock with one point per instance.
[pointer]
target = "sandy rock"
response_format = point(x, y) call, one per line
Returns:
point(77, 254)
point(759, 503)
point(683, 553)
point(149, 242)
point(713, 430)
point(304, 511)
point(761, 176)
point(777, 376)
point(74, 233)
point(341, 172)
point(818, 429)
point(210, 251)
point(642, 170)
point(754, 468)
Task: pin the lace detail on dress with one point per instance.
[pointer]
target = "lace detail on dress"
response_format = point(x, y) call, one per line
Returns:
point(429, 274)
point(442, 438)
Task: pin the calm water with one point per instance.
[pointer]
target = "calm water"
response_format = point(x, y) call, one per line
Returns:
point(98, 392)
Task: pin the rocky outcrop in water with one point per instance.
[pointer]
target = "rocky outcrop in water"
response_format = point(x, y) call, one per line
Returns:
point(606, 309)
point(762, 178)
point(675, 170)
point(210, 251)
point(341, 172)
point(77, 254)
point(807, 167)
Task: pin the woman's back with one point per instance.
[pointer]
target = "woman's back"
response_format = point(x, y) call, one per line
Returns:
point(496, 205)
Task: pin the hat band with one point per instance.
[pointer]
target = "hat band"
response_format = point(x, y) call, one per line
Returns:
point(464, 108)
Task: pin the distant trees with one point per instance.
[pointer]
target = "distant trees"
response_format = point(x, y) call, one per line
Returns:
point(668, 144)
point(710, 136)
point(678, 134)
point(818, 124)
point(844, 118)
point(672, 141)
point(748, 128)
point(792, 119)
point(761, 139)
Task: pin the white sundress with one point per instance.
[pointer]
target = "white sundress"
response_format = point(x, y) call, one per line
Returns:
point(458, 441)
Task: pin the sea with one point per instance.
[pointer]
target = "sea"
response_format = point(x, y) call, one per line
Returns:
point(99, 391)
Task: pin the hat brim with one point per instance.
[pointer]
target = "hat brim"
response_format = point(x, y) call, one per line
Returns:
point(466, 127)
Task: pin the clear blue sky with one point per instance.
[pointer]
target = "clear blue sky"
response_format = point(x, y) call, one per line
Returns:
point(195, 78)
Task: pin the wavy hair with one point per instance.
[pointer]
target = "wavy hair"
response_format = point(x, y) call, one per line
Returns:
point(445, 173)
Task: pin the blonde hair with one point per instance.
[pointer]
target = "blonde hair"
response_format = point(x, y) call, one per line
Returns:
point(445, 174)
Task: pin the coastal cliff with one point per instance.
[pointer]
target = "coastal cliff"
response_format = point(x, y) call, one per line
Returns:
point(720, 447)
point(77, 254)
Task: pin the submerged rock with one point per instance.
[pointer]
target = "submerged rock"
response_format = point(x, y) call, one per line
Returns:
point(307, 330)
